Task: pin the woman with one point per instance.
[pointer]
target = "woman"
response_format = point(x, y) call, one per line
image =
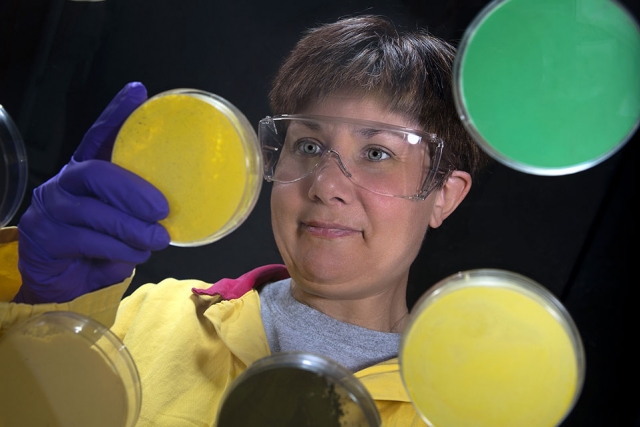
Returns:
point(370, 154)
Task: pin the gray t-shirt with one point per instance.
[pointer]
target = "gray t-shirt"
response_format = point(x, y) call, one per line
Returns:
point(293, 326)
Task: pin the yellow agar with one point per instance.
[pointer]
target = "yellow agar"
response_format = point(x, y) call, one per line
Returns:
point(489, 356)
point(193, 154)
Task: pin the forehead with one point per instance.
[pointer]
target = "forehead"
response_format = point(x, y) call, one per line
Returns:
point(358, 107)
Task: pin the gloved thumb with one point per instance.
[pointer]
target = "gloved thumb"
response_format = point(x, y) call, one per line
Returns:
point(97, 143)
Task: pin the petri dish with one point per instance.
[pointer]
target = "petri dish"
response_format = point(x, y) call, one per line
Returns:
point(63, 369)
point(550, 87)
point(13, 168)
point(491, 348)
point(202, 153)
point(297, 389)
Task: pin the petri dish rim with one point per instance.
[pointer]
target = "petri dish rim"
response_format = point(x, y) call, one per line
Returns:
point(15, 168)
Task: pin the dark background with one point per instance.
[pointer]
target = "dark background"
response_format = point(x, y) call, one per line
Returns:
point(61, 62)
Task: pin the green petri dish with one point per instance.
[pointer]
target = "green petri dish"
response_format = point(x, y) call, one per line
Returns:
point(550, 87)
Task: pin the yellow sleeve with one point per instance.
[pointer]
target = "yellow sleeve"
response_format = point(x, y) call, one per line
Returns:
point(9, 275)
point(384, 383)
point(100, 305)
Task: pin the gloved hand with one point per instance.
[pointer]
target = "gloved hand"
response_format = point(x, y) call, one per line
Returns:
point(90, 225)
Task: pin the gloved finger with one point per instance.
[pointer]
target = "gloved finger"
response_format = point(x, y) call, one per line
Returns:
point(116, 186)
point(108, 272)
point(38, 269)
point(95, 214)
point(52, 240)
point(97, 143)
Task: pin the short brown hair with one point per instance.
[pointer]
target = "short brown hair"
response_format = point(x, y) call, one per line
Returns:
point(411, 71)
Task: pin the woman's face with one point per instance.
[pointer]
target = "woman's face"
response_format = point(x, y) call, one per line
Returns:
point(338, 240)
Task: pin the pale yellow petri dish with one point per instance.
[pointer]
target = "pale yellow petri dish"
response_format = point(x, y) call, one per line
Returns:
point(202, 153)
point(491, 348)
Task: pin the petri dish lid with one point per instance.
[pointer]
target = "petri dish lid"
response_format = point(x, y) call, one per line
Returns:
point(550, 87)
point(491, 348)
point(297, 389)
point(13, 168)
point(64, 369)
point(202, 153)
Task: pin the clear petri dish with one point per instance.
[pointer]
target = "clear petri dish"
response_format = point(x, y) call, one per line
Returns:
point(491, 348)
point(550, 87)
point(63, 369)
point(13, 168)
point(297, 389)
point(202, 153)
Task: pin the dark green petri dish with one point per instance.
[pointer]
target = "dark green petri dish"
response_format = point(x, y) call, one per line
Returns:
point(296, 389)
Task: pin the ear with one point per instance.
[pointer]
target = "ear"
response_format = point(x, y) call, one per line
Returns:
point(447, 198)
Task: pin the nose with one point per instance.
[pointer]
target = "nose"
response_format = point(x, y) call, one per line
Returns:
point(333, 153)
point(328, 181)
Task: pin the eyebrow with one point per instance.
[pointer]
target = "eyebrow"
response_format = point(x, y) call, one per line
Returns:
point(305, 123)
point(371, 132)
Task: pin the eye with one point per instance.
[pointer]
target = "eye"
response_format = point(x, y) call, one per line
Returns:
point(308, 147)
point(377, 154)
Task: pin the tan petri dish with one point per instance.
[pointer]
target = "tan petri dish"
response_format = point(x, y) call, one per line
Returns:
point(491, 348)
point(63, 369)
point(202, 153)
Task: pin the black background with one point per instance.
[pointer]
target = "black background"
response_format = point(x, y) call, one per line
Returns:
point(61, 62)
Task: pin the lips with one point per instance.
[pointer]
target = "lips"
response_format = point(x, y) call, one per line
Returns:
point(328, 230)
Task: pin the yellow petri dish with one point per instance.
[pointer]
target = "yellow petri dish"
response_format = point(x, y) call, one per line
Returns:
point(202, 153)
point(491, 348)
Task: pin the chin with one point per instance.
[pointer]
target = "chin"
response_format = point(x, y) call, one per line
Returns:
point(325, 271)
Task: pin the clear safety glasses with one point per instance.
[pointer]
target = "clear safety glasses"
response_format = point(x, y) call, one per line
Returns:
point(385, 159)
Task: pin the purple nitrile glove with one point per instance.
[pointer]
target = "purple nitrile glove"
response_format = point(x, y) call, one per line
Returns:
point(90, 225)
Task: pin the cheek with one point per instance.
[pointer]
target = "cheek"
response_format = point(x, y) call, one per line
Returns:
point(282, 210)
point(276, 210)
point(402, 221)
